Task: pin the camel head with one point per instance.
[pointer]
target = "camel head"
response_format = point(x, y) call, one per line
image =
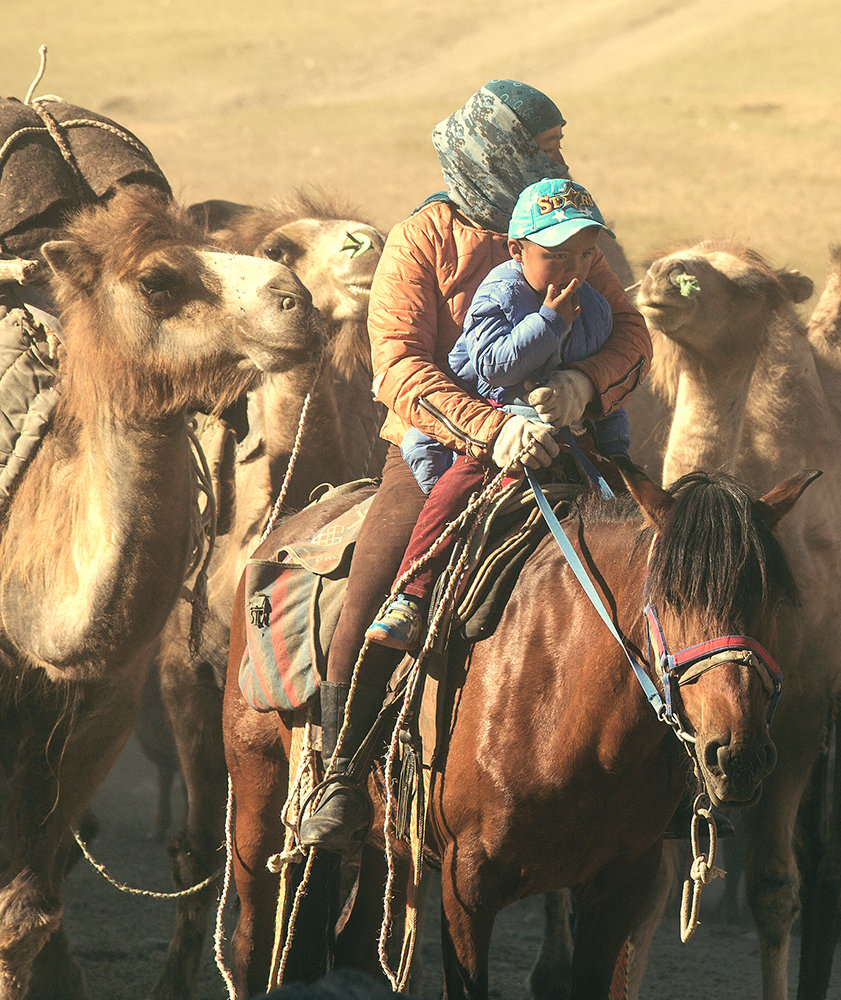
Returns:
point(334, 255)
point(717, 300)
point(157, 321)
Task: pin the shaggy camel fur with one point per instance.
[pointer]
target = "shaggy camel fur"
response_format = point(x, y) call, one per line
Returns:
point(335, 256)
point(99, 531)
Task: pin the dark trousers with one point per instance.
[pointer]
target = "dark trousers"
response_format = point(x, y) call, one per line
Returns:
point(379, 550)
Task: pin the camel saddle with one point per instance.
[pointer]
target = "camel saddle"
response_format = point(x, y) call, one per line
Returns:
point(293, 601)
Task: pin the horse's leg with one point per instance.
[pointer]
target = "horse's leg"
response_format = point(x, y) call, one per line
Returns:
point(194, 706)
point(549, 978)
point(607, 910)
point(466, 930)
point(66, 750)
point(630, 969)
point(821, 898)
point(259, 774)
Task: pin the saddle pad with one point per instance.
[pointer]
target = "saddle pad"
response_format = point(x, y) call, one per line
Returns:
point(292, 606)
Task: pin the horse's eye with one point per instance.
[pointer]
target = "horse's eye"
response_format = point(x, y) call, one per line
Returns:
point(159, 285)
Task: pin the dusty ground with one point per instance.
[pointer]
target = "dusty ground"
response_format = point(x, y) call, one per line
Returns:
point(121, 940)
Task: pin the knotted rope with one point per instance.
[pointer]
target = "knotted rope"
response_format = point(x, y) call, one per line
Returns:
point(476, 507)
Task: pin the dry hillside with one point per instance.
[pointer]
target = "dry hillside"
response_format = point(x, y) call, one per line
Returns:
point(704, 118)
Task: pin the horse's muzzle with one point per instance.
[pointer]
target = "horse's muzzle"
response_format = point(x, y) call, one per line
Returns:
point(735, 769)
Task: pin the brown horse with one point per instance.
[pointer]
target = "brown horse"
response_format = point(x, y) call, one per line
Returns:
point(556, 772)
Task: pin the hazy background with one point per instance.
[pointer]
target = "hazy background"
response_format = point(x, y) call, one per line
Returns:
point(703, 118)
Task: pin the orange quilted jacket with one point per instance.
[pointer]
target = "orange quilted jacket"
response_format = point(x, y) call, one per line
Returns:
point(431, 266)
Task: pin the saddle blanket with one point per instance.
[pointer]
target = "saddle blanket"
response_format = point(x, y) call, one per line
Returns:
point(292, 606)
point(293, 601)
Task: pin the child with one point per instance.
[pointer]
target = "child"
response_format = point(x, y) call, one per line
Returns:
point(531, 315)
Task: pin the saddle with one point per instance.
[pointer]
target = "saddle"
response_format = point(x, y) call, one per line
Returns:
point(293, 600)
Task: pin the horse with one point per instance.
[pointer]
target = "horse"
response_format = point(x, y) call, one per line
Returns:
point(554, 771)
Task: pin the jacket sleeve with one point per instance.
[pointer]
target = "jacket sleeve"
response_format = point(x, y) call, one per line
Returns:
point(403, 329)
point(619, 366)
point(506, 353)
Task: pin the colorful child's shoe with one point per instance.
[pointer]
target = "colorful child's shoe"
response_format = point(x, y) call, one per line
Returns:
point(400, 624)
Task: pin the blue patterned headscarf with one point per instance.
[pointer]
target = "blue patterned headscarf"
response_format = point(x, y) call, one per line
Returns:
point(488, 153)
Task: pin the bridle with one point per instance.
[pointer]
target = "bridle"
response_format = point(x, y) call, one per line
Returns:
point(685, 666)
point(675, 669)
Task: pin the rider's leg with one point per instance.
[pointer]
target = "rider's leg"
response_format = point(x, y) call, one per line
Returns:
point(400, 625)
point(340, 820)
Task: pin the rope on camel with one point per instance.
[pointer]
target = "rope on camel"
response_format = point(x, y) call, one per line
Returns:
point(296, 447)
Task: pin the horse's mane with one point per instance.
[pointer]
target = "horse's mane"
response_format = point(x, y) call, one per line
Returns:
point(715, 553)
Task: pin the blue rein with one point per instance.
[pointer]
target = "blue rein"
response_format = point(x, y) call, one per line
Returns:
point(650, 691)
point(673, 667)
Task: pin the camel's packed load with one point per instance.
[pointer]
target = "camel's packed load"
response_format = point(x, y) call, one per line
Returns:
point(55, 157)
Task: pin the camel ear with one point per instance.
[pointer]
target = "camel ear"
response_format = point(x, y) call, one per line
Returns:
point(652, 499)
point(778, 501)
point(70, 262)
point(798, 286)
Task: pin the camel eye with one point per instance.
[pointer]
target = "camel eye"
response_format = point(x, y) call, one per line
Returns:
point(277, 253)
point(160, 285)
point(278, 249)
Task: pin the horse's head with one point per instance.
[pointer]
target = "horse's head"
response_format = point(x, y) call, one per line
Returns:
point(717, 576)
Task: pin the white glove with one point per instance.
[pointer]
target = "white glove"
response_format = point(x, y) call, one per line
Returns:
point(562, 400)
point(515, 434)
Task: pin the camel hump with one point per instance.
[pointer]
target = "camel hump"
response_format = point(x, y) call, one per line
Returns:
point(55, 157)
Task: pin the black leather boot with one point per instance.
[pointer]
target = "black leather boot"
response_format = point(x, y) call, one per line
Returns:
point(341, 820)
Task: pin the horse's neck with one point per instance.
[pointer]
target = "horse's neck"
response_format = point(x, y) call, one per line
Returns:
point(707, 423)
point(96, 541)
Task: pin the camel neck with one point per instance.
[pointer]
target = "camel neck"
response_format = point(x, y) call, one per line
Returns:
point(708, 420)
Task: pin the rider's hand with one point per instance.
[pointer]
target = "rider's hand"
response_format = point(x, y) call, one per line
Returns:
point(515, 434)
point(562, 400)
point(565, 301)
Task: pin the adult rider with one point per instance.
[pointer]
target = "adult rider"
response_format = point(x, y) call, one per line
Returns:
point(505, 137)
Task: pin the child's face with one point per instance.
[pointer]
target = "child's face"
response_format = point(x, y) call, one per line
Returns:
point(544, 266)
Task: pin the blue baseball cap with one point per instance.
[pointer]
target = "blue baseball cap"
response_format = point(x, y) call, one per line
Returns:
point(552, 210)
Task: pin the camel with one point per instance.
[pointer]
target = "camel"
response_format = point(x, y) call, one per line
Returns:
point(335, 256)
point(100, 527)
point(752, 394)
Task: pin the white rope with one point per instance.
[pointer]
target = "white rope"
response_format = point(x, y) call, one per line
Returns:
point(278, 505)
point(152, 894)
point(219, 931)
point(42, 51)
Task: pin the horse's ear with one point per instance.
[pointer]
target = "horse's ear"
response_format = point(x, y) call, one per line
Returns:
point(652, 499)
point(70, 262)
point(778, 501)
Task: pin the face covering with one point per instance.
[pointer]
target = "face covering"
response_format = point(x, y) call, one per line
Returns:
point(488, 156)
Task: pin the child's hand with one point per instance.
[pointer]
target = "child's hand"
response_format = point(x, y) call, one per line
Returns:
point(565, 302)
